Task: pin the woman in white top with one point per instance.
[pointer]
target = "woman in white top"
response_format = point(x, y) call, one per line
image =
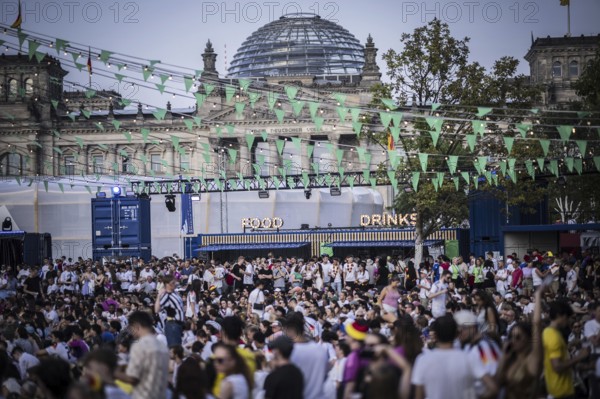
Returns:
point(349, 274)
point(335, 276)
point(237, 383)
point(537, 275)
point(362, 277)
point(318, 284)
point(501, 278)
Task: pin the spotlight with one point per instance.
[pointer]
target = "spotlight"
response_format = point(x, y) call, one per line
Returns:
point(307, 193)
point(143, 195)
point(7, 224)
point(195, 197)
point(263, 194)
point(170, 202)
point(335, 191)
point(116, 191)
point(100, 194)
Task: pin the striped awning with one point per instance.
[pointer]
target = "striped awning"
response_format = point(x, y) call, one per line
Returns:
point(250, 247)
point(401, 244)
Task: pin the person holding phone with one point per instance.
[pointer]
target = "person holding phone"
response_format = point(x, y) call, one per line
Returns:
point(520, 366)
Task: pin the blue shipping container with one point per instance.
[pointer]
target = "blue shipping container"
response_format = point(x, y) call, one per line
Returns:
point(121, 223)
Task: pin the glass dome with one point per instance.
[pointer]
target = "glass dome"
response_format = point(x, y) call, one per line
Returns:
point(298, 44)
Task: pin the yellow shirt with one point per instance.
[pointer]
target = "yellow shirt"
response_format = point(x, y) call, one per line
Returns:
point(557, 384)
point(248, 357)
point(127, 388)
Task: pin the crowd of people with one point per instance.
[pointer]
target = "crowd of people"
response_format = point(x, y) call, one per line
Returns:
point(273, 327)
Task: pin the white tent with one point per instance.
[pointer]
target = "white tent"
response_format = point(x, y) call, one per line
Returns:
point(67, 215)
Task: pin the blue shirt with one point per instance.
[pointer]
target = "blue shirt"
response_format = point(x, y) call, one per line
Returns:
point(436, 272)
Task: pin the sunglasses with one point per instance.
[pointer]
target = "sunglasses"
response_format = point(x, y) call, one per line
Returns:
point(220, 360)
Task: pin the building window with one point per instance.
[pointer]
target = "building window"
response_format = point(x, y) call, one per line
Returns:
point(98, 164)
point(573, 68)
point(69, 165)
point(12, 90)
point(11, 165)
point(156, 163)
point(184, 162)
point(28, 87)
point(556, 69)
point(127, 165)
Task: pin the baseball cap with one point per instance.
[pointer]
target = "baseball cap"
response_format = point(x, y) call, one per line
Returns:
point(465, 318)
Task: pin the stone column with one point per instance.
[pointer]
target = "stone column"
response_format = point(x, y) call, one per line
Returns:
point(113, 159)
point(274, 158)
point(170, 158)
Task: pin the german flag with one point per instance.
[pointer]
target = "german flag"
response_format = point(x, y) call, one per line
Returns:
point(565, 3)
point(390, 142)
point(19, 20)
point(89, 61)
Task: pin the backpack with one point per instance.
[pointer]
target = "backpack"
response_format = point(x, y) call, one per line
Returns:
point(229, 279)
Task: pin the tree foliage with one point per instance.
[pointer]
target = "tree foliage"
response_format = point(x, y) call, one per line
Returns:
point(434, 67)
point(588, 84)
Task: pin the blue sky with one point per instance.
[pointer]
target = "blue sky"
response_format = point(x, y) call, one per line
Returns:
point(176, 31)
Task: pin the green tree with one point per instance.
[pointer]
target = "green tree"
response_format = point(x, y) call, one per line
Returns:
point(434, 68)
point(588, 85)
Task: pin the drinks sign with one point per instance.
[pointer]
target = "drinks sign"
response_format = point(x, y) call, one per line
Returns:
point(386, 219)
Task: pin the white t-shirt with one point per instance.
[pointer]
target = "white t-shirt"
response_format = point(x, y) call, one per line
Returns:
point(126, 278)
point(483, 358)
point(219, 275)
point(312, 361)
point(145, 273)
point(439, 373)
point(249, 278)
point(426, 287)
point(591, 328)
point(502, 275)
point(571, 280)
point(256, 296)
point(438, 304)
point(350, 272)
point(326, 269)
point(60, 350)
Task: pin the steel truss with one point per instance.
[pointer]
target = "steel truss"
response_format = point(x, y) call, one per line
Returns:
point(257, 183)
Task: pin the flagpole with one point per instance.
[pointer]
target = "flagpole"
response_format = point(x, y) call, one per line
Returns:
point(569, 19)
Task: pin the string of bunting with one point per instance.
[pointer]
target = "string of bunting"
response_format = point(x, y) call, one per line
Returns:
point(388, 120)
